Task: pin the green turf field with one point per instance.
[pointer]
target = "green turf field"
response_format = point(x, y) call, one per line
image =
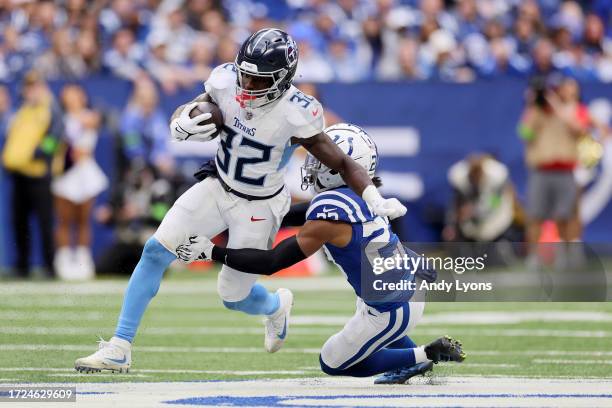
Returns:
point(188, 335)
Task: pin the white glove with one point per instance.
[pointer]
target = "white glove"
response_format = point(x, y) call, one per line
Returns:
point(186, 128)
point(385, 207)
point(198, 248)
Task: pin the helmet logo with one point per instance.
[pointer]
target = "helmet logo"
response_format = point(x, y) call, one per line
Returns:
point(291, 52)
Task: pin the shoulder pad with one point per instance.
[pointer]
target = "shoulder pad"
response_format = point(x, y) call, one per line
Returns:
point(304, 111)
point(223, 76)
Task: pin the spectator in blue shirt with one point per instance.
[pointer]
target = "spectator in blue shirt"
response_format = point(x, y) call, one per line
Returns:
point(144, 129)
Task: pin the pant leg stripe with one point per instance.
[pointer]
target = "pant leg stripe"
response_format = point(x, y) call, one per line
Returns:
point(401, 323)
point(365, 347)
point(400, 332)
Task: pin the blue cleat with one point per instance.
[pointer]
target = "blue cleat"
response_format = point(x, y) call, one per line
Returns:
point(402, 375)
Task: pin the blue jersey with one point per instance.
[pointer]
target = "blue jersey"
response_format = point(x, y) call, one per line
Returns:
point(369, 231)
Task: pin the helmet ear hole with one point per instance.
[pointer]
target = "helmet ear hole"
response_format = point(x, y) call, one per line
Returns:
point(333, 172)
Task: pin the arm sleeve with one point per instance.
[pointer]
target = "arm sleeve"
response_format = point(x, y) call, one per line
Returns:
point(296, 215)
point(261, 261)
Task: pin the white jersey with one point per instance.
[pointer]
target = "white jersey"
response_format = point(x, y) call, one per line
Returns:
point(253, 151)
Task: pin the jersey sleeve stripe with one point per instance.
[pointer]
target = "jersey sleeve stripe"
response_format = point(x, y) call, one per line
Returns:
point(350, 202)
point(322, 196)
point(332, 203)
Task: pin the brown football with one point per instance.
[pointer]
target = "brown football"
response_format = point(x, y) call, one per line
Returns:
point(213, 109)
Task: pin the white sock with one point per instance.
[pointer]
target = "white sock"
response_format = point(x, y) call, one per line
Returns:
point(419, 355)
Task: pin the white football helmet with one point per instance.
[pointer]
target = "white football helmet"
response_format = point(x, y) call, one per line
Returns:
point(353, 141)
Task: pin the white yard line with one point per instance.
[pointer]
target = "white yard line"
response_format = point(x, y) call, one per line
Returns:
point(470, 332)
point(151, 349)
point(511, 317)
point(571, 362)
point(584, 353)
point(180, 349)
point(474, 318)
point(166, 371)
point(461, 391)
point(75, 374)
point(60, 315)
point(158, 331)
point(458, 318)
point(117, 287)
point(491, 365)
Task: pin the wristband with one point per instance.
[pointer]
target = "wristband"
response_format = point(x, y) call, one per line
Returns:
point(371, 195)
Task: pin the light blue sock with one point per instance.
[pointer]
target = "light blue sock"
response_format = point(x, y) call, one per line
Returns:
point(143, 285)
point(258, 302)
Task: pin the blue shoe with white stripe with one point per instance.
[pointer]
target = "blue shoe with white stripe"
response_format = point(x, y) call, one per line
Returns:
point(402, 375)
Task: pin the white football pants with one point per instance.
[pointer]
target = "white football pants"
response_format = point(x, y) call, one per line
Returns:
point(206, 209)
point(368, 331)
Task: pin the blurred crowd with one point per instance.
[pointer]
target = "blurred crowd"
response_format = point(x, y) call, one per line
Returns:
point(48, 155)
point(48, 142)
point(178, 41)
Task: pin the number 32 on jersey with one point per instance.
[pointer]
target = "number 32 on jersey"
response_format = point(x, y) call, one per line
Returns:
point(241, 162)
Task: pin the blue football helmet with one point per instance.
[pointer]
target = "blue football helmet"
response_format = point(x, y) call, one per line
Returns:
point(272, 54)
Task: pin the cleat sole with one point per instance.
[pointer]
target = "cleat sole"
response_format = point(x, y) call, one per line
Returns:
point(91, 370)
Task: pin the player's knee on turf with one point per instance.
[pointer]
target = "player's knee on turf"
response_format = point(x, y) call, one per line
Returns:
point(329, 359)
point(327, 369)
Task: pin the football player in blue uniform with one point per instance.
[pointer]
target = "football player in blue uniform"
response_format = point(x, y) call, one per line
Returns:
point(265, 119)
point(375, 340)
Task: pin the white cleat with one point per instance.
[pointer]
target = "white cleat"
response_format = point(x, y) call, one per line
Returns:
point(114, 355)
point(277, 324)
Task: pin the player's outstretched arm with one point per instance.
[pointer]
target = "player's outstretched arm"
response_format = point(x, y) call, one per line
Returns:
point(355, 176)
point(311, 237)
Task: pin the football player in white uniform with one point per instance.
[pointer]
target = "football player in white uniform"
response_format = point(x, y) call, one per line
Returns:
point(265, 118)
